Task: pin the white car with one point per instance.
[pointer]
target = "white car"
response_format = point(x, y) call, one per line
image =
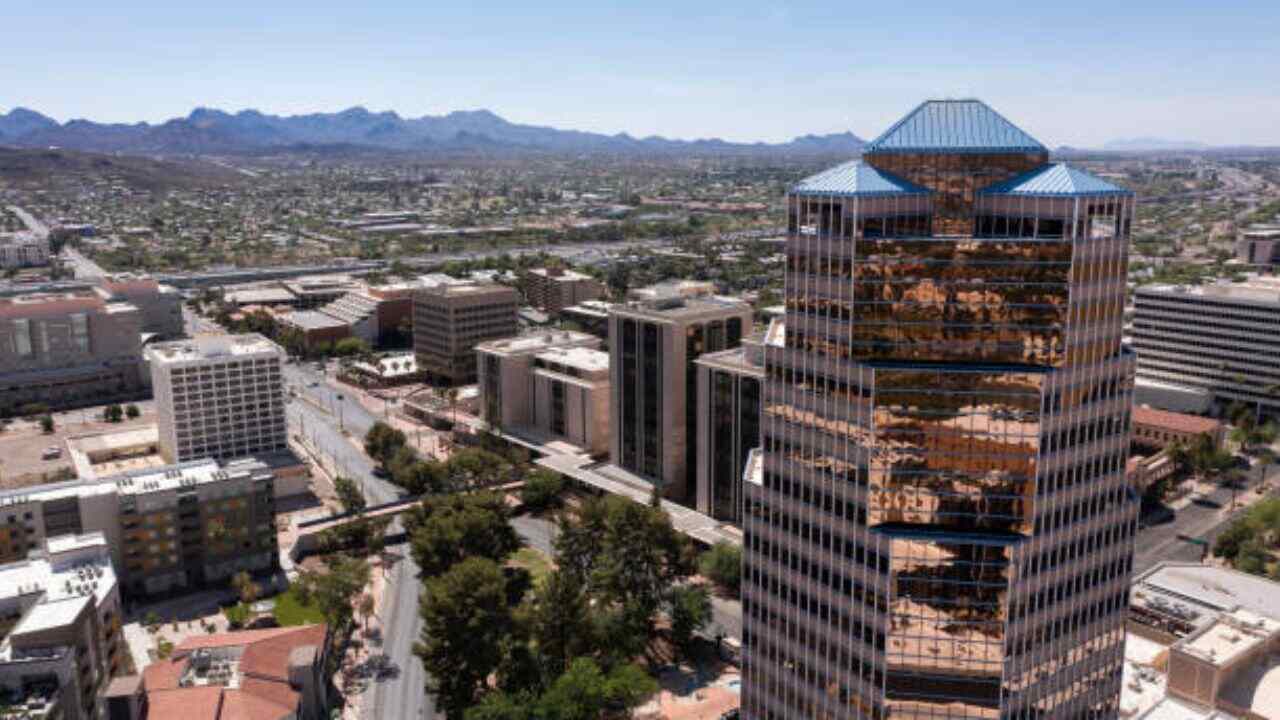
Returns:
point(51, 452)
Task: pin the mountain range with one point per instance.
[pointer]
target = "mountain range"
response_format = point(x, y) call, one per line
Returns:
point(211, 131)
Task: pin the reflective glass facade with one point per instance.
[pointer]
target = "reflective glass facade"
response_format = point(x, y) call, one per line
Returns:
point(942, 528)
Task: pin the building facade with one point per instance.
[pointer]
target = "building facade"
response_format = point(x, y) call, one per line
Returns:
point(159, 306)
point(69, 348)
point(941, 527)
point(23, 249)
point(219, 397)
point(653, 346)
point(552, 382)
point(1220, 338)
point(729, 397)
point(450, 320)
point(554, 288)
point(60, 621)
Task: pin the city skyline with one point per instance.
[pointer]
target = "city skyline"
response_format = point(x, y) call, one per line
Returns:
point(629, 70)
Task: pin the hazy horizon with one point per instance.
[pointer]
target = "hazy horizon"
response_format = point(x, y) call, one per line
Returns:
point(1082, 75)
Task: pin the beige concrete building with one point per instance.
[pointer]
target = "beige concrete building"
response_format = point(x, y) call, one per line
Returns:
point(60, 618)
point(69, 348)
point(450, 320)
point(653, 347)
point(160, 306)
point(551, 384)
point(554, 288)
point(219, 397)
point(1205, 665)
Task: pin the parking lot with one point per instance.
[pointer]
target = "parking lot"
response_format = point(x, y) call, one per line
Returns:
point(26, 456)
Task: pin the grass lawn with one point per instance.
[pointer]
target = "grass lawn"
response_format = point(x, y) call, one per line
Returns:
point(538, 564)
point(290, 611)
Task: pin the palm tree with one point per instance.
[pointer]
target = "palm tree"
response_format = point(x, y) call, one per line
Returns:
point(451, 396)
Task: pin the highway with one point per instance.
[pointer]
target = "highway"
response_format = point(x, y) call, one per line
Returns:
point(40, 229)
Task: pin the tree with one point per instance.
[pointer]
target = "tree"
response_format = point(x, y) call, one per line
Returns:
point(722, 565)
point(422, 476)
point(471, 468)
point(451, 396)
point(349, 494)
point(541, 489)
point(559, 622)
point(132, 411)
point(366, 608)
point(46, 424)
point(333, 590)
point(447, 530)
point(113, 413)
point(689, 607)
point(245, 588)
point(465, 621)
point(584, 692)
point(382, 441)
point(351, 347)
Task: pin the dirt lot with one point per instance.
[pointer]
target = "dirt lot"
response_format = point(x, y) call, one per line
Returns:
point(22, 443)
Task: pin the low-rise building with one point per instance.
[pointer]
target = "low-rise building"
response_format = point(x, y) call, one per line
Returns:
point(450, 320)
point(273, 674)
point(60, 617)
point(554, 288)
point(69, 348)
point(316, 329)
point(1161, 428)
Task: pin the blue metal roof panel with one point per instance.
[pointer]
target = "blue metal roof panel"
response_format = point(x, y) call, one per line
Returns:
point(1055, 180)
point(954, 126)
point(856, 178)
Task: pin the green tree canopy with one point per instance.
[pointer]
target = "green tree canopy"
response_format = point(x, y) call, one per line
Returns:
point(446, 530)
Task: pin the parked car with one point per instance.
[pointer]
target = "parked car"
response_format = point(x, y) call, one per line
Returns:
point(50, 453)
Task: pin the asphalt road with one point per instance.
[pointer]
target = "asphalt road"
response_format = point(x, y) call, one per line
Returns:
point(1204, 519)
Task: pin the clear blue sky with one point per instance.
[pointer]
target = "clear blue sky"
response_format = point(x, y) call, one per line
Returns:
point(1075, 72)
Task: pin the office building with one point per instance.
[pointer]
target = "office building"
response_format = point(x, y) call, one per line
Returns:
point(1259, 244)
point(729, 384)
point(1220, 338)
point(653, 346)
point(60, 618)
point(219, 397)
point(271, 674)
point(549, 384)
point(941, 527)
point(555, 288)
point(449, 320)
point(159, 306)
point(23, 249)
point(69, 348)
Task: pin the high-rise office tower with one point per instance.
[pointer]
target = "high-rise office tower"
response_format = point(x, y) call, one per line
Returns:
point(941, 526)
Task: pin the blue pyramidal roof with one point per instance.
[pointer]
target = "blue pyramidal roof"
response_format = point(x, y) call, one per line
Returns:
point(1054, 180)
point(856, 178)
point(954, 126)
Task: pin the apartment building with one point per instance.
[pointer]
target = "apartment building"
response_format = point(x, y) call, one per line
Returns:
point(942, 526)
point(555, 288)
point(60, 621)
point(1220, 338)
point(554, 383)
point(450, 320)
point(653, 347)
point(729, 398)
point(219, 397)
point(69, 348)
point(167, 527)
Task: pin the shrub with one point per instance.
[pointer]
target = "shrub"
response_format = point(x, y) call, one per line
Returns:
point(722, 565)
point(541, 490)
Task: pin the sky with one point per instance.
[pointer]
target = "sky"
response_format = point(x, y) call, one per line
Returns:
point(1076, 73)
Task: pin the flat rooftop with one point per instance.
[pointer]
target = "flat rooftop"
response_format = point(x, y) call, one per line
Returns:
point(1215, 588)
point(468, 288)
point(313, 320)
point(538, 341)
point(565, 275)
point(212, 347)
point(71, 566)
point(582, 358)
point(1257, 290)
point(1230, 636)
point(1176, 422)
point(678, 307)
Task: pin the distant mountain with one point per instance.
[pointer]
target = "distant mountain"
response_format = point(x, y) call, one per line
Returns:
point(1148, 144)
point(208, 130)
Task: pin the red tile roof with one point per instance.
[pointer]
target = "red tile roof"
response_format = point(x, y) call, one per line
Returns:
point(1172, 421)
point(192, 703)
point(264, 692)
